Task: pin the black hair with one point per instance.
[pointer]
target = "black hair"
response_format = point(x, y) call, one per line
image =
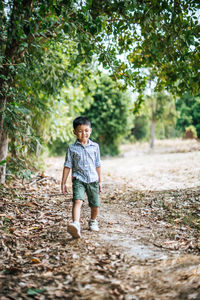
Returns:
point(81, 121)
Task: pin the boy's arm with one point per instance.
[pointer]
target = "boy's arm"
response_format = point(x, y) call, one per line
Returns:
point(99, 175)
point(65, 175)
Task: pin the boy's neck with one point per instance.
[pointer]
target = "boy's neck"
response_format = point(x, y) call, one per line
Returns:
point(84, 143)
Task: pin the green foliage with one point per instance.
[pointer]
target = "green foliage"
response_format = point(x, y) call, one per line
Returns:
point(50, 93)
point(110, 115)
point(159, 108)
point(2, 162)
point(165, 127)
point(189, 109)
point(141, 127)
point(72, 101)
point(159, 37)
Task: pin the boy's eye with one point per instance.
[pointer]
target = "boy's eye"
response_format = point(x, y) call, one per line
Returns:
point(82, 131)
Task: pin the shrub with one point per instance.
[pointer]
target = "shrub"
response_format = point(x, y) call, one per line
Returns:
point(109, 114)
point(190, 132)
point(140, 129)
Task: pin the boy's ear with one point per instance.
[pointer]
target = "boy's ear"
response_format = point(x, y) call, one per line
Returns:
point(74, 131)
point(90, 130)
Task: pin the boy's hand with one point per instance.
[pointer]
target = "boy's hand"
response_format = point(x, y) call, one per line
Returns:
point(64, 189)
point(100, 187)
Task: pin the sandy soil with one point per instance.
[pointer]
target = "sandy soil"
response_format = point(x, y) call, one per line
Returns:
point(171, 165)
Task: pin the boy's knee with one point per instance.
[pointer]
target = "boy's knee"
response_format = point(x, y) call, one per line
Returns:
point(78, 202)
point(94, 207)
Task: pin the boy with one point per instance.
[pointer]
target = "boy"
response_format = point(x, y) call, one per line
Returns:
point(83, 157)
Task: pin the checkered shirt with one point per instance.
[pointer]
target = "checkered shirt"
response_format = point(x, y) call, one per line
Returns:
point(83, 160)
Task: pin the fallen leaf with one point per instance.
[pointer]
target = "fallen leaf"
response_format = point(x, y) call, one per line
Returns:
point(35, 260)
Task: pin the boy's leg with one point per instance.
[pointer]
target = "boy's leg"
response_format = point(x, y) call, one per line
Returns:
point(93, 223)
point(76, 210)
point(94, 202)
point(92, 190)
point(94, 212)
point(78, 198)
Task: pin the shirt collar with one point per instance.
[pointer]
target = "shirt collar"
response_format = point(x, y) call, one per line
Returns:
point(88, 144)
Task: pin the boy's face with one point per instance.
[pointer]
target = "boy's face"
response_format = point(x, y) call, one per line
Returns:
point(83, 133)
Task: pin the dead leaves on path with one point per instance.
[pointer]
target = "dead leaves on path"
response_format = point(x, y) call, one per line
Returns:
point(40, 260)
point(171, 218)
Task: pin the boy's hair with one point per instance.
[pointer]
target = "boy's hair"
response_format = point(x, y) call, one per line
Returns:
point(81, 121)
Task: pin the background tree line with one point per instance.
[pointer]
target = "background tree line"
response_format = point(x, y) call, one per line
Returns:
point(168, 117)
point(46, 60)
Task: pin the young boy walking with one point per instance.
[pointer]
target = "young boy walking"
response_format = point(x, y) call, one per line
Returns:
point(83, 157)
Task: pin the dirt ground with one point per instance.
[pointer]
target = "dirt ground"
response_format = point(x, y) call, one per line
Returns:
point(148, 246)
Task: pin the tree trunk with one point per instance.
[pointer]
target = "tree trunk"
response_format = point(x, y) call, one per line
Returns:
point(38, 149)
point(3, 141)
point(12, 146)
point(3, 154)
point(153, 126)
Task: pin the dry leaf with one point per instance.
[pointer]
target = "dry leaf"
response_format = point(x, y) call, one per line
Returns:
point(35, 260)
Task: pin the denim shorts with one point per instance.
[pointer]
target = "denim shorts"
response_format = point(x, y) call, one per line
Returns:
point(91, 189)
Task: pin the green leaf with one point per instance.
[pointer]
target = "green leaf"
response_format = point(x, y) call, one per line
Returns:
point(2, 162)
point(67, 28)
point(33, 292)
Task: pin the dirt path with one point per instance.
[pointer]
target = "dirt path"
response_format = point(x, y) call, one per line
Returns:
point(171, 165)
point(160, 261)
point(120, 231)
point(147, 248)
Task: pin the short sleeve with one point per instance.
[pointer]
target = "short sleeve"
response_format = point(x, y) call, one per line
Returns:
point(98, 159)
point(68, 159)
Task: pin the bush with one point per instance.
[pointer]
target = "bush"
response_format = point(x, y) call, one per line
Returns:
point(109, 114)
point(190, 132)
point(189, 110)
point(140, 129)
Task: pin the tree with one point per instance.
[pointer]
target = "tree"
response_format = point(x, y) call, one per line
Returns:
point(41, 87)
point(161, 107)
point(25, 26)
point(189, 109)
point(157, 117)
point(73, 100)
point(110, 115)
point(159, 35)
